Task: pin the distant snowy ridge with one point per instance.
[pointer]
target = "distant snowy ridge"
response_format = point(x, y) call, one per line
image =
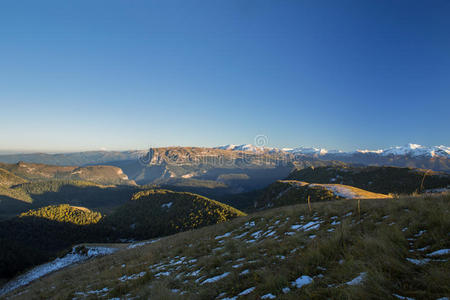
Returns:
point(413, 150)
point(246, 147)
point(418, 150)
point(255, 149)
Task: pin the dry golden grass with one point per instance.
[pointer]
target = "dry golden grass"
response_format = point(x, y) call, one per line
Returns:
point(357, 192)
point(376, 242)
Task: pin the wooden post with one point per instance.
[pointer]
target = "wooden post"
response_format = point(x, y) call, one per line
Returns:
point(309, 203)
point(423, 179)
point(359, 208)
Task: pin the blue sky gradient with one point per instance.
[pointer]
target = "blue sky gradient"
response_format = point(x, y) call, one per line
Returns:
point(87, 75)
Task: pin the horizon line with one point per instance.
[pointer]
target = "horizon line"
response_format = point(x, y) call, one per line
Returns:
point(54, 151)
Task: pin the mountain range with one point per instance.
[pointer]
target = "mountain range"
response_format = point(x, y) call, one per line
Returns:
point(413, 150)
point(235, 168)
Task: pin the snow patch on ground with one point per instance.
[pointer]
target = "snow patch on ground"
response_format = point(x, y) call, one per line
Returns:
point(357, 280)
point(257, 234)
point(132, 277)
point(247, 291)
point(250, 224)
point(420, 233)
point(101, 292)
point(216, 278)
point(241, 235)
point(167, 205)
point(340, 191)
point(223, 236)
point(140, 244)
point(162, 274)
point(245, 272)
point(307, 227)
point(402, 297)
point(301, 281)
point(59, 263)
point(439, 252)
point(418, 262)
point(268, 296)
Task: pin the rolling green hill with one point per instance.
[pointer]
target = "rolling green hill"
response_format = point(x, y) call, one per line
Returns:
point(153, 213)
point(65, 213)
point(383, 180)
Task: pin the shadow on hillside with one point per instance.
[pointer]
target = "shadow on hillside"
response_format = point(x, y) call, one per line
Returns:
point(257, 178)
point(10, 207)
point(29, 241)
point(92, 197)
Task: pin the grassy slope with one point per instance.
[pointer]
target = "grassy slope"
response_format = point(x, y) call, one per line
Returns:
point(377, 242)
point(289, 192)
point(376, 179)
point(358, 193)
point(11, 200)
point(8, 179)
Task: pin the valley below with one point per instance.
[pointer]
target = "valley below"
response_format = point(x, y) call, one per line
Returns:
point(203, 223)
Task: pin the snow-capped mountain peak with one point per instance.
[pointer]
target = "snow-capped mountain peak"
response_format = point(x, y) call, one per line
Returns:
point(306, 150)
point(244, 147)
point(379, 151)
point(414, 150)
point(417, 150)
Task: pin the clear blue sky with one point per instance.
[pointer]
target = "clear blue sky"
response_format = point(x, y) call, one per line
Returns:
point(78, 75)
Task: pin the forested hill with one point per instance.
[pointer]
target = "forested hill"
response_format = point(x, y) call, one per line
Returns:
point(153, 213)
point(376, 179)
point(98, 174)
point(65, 213)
